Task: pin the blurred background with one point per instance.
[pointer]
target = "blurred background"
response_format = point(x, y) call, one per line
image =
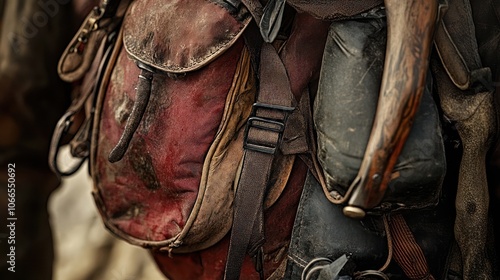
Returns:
point(58, 233)
point(84, 249)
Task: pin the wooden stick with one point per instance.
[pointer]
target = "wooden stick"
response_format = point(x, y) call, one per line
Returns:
point(410, 33)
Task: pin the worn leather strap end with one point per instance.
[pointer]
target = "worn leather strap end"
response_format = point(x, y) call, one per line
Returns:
point(81, 51)
point(461, 60)
point(78, 56)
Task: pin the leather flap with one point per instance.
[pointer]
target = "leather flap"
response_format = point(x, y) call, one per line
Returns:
point(334, 10)
point(178, 36)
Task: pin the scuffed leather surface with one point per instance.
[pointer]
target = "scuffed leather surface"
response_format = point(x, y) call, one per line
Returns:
point(475, 118)
point(210, 263)
point(345, 108)
point(321, 230)
point(150, 193)
point(334, 10)
point(178, 35)
point(175, 185)
point(487, 26)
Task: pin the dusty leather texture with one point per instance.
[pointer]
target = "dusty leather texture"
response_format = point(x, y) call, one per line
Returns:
point(162, 170)
point(476, 122)
point(81, 51)
point(456, 44)
point(364, 241)
point(169, 167)
point(346, 103)
point(174, 187)
point(334, 10)
point(209, 263)
point(177, 35)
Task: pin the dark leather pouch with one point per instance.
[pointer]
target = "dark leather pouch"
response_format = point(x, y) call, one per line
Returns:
point(344, 111)
point(322, 231)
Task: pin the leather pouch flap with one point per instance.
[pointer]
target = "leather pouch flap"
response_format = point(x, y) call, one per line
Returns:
point(178, 36)
point(334, 10)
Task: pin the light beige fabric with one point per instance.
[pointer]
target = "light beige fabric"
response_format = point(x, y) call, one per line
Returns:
point(84, 249)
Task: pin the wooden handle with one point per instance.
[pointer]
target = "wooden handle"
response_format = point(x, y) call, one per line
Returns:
point(410, 25)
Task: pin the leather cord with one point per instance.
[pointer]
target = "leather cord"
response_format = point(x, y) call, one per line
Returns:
point(143, 92)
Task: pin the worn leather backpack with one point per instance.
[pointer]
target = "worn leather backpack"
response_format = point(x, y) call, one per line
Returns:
point(166, 106)
point(264, 140)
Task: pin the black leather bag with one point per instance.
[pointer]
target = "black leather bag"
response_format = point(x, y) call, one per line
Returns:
point(344, 110)
point(322, 231)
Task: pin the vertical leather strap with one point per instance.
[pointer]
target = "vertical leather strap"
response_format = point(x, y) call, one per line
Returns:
point(496, 7)
point(90, 85)
point(110, 7)
point(255, 8)
point(264, 131)
point(407, 253)
point(470, 104)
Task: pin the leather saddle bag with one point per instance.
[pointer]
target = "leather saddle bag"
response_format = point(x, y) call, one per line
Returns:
point(322, 233)
point(168, 122)
point(345, 108)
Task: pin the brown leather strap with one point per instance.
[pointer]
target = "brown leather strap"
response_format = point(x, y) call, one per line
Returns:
point(255, 8)
point(406, 251)
point(91, 80)
point(67, 120)
point(265, 127)
point(461, 61)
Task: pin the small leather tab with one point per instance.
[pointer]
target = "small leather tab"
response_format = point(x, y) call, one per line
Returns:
point(78, 56)
point(455, 41)
point(81, 51)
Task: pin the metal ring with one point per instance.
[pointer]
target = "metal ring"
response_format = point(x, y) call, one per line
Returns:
point(61, 130)
point(371, 273)
point(310, 269)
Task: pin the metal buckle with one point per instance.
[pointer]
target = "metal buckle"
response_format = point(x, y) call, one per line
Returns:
point(266, 124)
